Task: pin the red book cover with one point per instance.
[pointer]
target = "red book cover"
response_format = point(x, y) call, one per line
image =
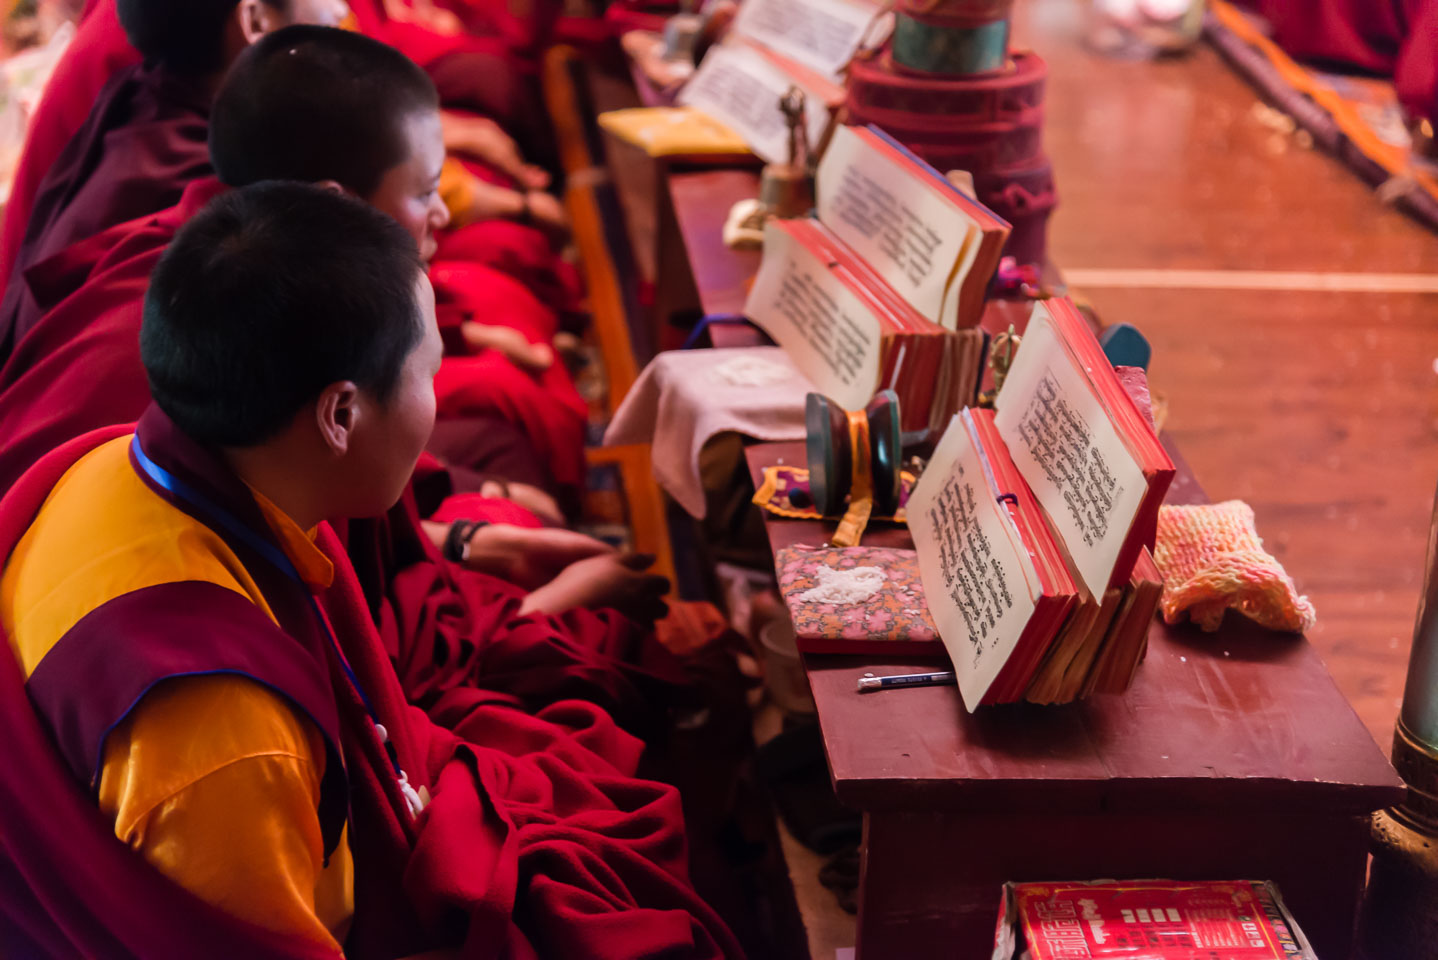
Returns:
point(1153, 920)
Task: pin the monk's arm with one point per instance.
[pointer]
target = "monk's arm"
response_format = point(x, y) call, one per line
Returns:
point(532, 357)
point(471, 200)
point(482, 139)
point(215, 780)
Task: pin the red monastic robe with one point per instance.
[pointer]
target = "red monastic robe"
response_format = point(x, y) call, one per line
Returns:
point(546, 405)
point(472, 72)
point(99, 50)
point(536, 843)
point(93, 323)
point(1395, 38)
point(143, 142)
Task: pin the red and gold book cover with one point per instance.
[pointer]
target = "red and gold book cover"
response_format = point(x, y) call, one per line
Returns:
point(1154, 920)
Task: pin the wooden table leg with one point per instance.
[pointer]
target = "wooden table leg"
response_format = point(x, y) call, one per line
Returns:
point(929, 884)
point(675, 295)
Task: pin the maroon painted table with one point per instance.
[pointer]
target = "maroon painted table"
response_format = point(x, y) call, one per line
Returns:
point(1232, 756)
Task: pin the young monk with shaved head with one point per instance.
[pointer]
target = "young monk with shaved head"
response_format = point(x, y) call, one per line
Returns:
point(328, 107)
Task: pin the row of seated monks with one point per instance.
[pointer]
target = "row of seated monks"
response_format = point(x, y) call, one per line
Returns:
point(305, 662)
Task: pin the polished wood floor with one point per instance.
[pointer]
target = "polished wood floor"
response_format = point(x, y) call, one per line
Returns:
point(1318, 408)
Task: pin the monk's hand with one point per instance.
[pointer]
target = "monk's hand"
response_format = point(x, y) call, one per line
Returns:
point(425, 14)
point(546, 212)
point(531, 357)
point(614, 580)
point(531, 558)
point(484, 140)
point(488, 201)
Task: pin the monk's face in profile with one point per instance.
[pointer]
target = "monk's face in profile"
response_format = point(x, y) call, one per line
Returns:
point(389, 436)
point(259, 17)
point(409, 191)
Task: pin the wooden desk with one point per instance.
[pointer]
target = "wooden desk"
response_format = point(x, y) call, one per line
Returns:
point(700, 201)
point(1232, 756)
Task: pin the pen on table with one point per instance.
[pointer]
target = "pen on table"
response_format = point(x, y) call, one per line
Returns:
point(870, 682)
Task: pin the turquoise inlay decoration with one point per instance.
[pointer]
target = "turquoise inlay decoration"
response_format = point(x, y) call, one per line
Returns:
point(950, 50)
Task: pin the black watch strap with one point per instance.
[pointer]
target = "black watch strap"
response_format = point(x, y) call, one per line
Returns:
point(456, 542)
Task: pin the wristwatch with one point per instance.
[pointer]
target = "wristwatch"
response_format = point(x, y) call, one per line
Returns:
point(456, 542)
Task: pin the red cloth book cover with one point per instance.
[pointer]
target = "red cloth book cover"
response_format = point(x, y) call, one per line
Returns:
point(1150, 920)
point(858, 600)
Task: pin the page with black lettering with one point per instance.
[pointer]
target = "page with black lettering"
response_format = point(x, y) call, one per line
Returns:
point(889, 215)
point(975, 570)
point(827, 330)
point(1067, 448)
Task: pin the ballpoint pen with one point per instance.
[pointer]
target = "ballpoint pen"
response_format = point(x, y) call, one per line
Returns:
point(867, 682)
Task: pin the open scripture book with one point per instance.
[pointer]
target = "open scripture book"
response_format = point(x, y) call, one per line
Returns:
point(884, 287)
point(1034, 525)
point(771, 46)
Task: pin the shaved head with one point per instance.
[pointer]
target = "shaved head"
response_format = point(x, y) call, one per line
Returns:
point(186, 36)
point(315, 104)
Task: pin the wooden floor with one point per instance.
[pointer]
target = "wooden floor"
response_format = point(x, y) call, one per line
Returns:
point(1318, 408)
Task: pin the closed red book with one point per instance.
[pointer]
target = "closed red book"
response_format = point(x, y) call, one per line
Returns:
point(1148, 920)
point(857, 600)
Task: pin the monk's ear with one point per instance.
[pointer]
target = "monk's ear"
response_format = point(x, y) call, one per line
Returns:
point(255, 19)
point(337, 414)
point(334, 186)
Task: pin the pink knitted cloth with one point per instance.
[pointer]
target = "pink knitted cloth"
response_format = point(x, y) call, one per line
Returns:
point(1212, 559)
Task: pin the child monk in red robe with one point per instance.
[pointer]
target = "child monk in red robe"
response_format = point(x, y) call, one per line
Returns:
point(244, 777)
point(306, 104)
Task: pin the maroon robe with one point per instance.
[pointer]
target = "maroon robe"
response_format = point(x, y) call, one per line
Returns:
point(156, 162)
point(1393, 38)
point(143, 142)
point(535, 843)
point(451, 631)
point(99, 51)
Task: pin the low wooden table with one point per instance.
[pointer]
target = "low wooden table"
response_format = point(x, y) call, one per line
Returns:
point(1232, 756)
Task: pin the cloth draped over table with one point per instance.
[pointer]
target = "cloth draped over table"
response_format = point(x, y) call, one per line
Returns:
point(683, 398)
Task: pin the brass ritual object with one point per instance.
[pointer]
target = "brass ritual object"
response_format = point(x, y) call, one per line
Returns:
point(786, 190)
point(1399, 917)
point(1001, 360)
